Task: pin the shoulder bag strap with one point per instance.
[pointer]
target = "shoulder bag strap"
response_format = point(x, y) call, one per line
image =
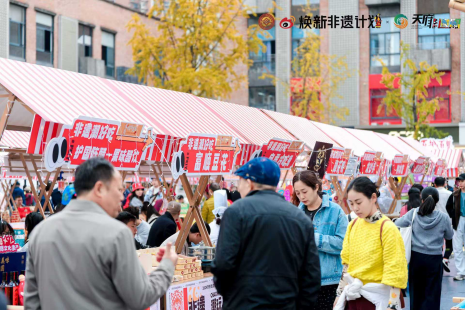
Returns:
point(381, 228)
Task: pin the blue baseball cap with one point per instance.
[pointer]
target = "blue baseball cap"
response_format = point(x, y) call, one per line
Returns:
point(260, 170)
point(68, 194)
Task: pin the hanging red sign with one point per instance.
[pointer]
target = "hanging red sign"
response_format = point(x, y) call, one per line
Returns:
point(338, 161)
point(440, 168)
point(123, 144)
point(8, 244)
point(284, 152)
point(203, 154)
point(421, 165)
point(370, 163)
point(400, 165)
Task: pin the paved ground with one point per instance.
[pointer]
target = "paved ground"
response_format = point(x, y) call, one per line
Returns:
point(450, 289)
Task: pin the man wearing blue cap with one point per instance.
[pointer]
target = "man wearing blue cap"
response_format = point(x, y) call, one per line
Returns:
point(266, 256)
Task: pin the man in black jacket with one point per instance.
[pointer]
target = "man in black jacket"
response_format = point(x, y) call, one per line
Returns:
point(455, 207)
point(266, 256)
point(165, 225)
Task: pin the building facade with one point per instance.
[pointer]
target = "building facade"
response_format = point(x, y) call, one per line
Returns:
point(362, 94)
point(86, 36)
point(90, 36)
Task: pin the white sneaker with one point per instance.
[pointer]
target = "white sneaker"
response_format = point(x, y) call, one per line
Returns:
point(459, 278)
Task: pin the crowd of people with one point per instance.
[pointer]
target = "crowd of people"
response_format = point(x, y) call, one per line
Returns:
point(303, 254)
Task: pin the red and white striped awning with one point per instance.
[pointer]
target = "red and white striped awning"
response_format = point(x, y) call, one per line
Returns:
point(344, 138)
point(452, 172)
point(253, 124)
point(371, 139)
point(420, 148)
point(451, 156)
point(14, 139)
point(59, 97)
point(301, 128)
point(400, 146)
point(172, 113)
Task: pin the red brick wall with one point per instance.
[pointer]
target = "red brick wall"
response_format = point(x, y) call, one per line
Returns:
point(99, 13)
point(241, 95)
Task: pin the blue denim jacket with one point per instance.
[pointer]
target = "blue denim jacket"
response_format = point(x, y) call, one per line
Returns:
point(330, 224)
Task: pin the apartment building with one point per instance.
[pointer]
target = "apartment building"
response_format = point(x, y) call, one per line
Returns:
point(363, 93)
point(86, 36)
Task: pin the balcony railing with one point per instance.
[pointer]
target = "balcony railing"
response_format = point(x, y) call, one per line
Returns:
point(261, 65)
point(433, 45)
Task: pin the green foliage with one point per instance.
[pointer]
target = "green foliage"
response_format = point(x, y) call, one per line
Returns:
point(197, 48)
point(319, 76)
point(409, 99)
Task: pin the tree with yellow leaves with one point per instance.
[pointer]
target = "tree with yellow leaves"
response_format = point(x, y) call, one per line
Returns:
point(407, 94)
point(197, 49)
point(315, 79)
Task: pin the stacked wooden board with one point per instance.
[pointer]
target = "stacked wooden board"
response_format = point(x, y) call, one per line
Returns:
point(186, 267)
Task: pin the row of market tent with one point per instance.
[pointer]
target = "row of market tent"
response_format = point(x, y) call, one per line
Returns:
point(38, 102)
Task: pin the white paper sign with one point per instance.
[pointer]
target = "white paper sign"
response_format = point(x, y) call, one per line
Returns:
point(195, 295)
point(351, 166)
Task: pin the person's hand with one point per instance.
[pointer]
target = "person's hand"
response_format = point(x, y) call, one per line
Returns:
point(168, 253)
point(335, 302)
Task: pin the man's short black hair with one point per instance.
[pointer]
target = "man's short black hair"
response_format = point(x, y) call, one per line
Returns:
point(126, 217)
point(439, 181)
point(195, 228)
point(90, 172)
point(133, 210)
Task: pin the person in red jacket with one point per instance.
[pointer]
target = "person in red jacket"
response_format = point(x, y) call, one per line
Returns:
point(136, 198)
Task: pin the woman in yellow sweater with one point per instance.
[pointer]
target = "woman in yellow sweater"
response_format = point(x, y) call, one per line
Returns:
point(373, 255)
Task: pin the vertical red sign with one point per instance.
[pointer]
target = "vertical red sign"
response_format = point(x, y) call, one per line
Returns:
point(370, 163)
point(400, 165)
point(284, 152)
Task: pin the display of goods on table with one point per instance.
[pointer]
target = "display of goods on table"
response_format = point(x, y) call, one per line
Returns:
point(186, 267)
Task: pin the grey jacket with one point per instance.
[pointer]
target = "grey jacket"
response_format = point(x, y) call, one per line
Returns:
point(428, 231)
point(82, 258)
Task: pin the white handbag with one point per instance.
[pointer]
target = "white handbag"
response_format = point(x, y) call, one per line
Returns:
point(406, 234)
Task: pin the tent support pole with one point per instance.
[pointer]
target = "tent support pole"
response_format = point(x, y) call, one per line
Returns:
point(6, 114)
point(33, 188)
point(193, 213)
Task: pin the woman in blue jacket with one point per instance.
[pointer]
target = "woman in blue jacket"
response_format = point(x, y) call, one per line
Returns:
point(330, 223)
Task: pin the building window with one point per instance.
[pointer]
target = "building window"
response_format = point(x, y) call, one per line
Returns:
point(44, 39)
point(297, 38)
point(378, 110)
point(262, 97)
point(435, 37)
point(108, 53)
point(443, 113)
point(385, 44)
point(85, 41)
point(267, 58)
point(17, 32)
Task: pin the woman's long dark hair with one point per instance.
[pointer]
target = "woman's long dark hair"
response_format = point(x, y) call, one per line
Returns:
point(148, 210)
point(133, 195)
point(6, 225)
point(365, 186)
point(430, 197)
point(32, 220)
point(310, 179)
point(414, 198)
